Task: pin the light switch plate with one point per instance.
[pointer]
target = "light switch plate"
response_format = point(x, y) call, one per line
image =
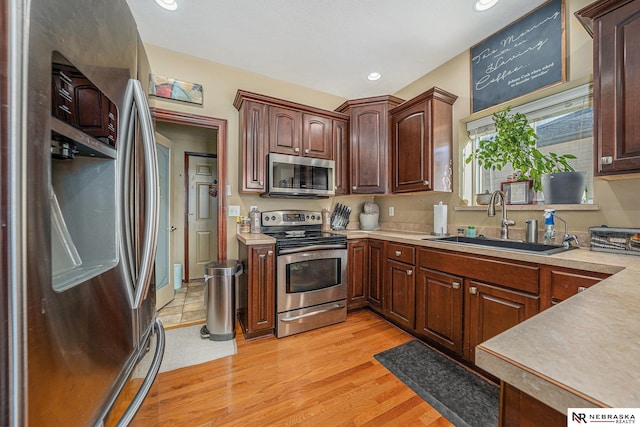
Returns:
point(392, 211)
point(234, 210)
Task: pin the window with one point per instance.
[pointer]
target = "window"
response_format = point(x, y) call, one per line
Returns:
point(564, 124)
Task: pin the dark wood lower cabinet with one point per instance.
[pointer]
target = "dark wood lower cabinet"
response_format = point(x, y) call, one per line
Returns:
point(519, 409)
point(256, 290)
point(358, 273)
point(490, 310)
point(439, 308)
point(375, 289)
point(400, 293)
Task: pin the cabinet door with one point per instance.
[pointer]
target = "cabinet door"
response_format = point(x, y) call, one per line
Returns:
point(375, 294)
point(341, 155)
point(368, 149)
point(261, 296)
point(491, 310)
point(317, 137)
point(439, 308)
point(617, 89)
point(411, 149)
point(285, 131)
point(557, 284)
point(400, 293)
point(253, 127)
point(358, 271)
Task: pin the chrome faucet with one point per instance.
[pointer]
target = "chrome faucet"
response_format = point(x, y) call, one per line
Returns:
point(491, 211)
point(567, 238)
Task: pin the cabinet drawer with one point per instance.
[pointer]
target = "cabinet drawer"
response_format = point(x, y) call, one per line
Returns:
point(511, 274)
point(565, 284)
point(402, 253)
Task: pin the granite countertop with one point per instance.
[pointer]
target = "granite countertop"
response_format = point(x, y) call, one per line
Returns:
point(582, 352)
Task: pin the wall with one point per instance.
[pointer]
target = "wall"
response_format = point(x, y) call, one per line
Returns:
point(618, 205)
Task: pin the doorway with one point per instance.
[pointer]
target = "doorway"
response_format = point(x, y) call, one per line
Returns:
point(214, 131)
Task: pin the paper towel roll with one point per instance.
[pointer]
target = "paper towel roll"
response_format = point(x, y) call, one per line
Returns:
point(440, 219)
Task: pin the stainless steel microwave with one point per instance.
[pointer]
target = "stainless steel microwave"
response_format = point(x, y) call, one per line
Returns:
point(297, 176)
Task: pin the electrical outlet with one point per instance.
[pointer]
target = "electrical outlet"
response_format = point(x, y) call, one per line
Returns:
point(234, 210)
point(392, 211)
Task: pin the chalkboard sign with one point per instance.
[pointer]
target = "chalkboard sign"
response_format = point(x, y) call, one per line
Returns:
point(521, 58)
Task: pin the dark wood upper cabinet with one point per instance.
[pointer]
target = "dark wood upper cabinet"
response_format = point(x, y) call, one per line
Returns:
point(422, 143)
point(285, 131)
point(369, 142)
point(317, 136)
point(341, 155)
point(254, 141)
point(615, 27)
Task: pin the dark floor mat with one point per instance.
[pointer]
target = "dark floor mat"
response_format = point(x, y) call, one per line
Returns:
point(461, 396)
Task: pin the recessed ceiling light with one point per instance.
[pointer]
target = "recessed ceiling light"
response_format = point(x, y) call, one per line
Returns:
point(167, 4)
point(482, 5)
point(374, 76)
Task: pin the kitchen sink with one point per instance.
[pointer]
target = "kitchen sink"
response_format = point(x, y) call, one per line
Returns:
point(512, 245)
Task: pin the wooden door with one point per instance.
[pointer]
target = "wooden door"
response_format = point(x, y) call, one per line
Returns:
point(358, 272)
point(411, 149)
point(368, 149)
point(375, 294)
point(491, 310)
point(163, 270)
point(202, 215)
point(317, 137)
point(285, 131)
point(400, 293)
point(439, 308)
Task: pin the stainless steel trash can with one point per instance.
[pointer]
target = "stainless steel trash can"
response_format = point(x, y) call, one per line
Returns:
point(219, 299)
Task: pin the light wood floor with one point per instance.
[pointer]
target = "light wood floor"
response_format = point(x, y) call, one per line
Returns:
point(325, 377)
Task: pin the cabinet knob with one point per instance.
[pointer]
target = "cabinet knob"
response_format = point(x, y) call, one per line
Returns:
point(261, 182)
point(606, 160)
point(582, 288)
point(297, 150)
point(355, 187)
point(425, 182)
point(473, 290)
point(306, 151)
point(269, 252)
point(409, 272)
point(398, 253)
point(455, 285)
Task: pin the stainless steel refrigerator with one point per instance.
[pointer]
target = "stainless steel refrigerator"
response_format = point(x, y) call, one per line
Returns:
point(80, 341)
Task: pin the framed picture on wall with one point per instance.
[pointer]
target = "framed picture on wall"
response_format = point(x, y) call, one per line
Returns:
point(518, 192)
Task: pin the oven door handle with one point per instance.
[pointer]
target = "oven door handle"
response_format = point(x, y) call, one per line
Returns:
point(313, 313)
point(311, 248)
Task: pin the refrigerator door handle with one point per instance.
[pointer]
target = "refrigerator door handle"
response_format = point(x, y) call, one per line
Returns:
point(138, 399)
point(152, 197)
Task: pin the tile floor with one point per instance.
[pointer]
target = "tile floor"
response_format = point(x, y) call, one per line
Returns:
point(187, 307)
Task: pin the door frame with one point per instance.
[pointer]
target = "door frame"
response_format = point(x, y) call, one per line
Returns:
point(175, 117)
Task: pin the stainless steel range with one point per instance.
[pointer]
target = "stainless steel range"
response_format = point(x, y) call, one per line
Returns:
point(311, 271)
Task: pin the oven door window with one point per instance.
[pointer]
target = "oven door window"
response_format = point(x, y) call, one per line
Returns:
point(311, 275)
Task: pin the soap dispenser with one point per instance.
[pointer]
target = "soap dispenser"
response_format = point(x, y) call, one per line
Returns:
point(549, 227)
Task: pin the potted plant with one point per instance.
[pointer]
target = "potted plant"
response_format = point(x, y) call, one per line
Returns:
point(515, 143)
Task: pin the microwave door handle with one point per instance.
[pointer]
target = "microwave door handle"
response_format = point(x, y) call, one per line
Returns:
point(125, 150)
point(152, 198)
point(310, 248)
point(143, 391)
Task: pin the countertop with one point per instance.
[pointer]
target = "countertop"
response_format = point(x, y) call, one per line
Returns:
point(583, 352)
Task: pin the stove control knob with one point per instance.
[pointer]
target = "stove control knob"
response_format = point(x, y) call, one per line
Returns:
point(273, 218)
point(266, 219)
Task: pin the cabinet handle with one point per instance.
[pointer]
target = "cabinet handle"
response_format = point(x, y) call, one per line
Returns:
point(473, 290)
point(425, 182)
point(398, 253)
point(297, 150)
point(409, 272)
point(582, 288)
point(455, 285)
point(306, 151)
point(606, 160)
point(261, 182)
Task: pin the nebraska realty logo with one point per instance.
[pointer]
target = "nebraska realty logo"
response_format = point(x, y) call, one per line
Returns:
point(600, 416)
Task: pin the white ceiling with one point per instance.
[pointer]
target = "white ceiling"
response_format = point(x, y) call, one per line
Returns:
point(328, 45)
